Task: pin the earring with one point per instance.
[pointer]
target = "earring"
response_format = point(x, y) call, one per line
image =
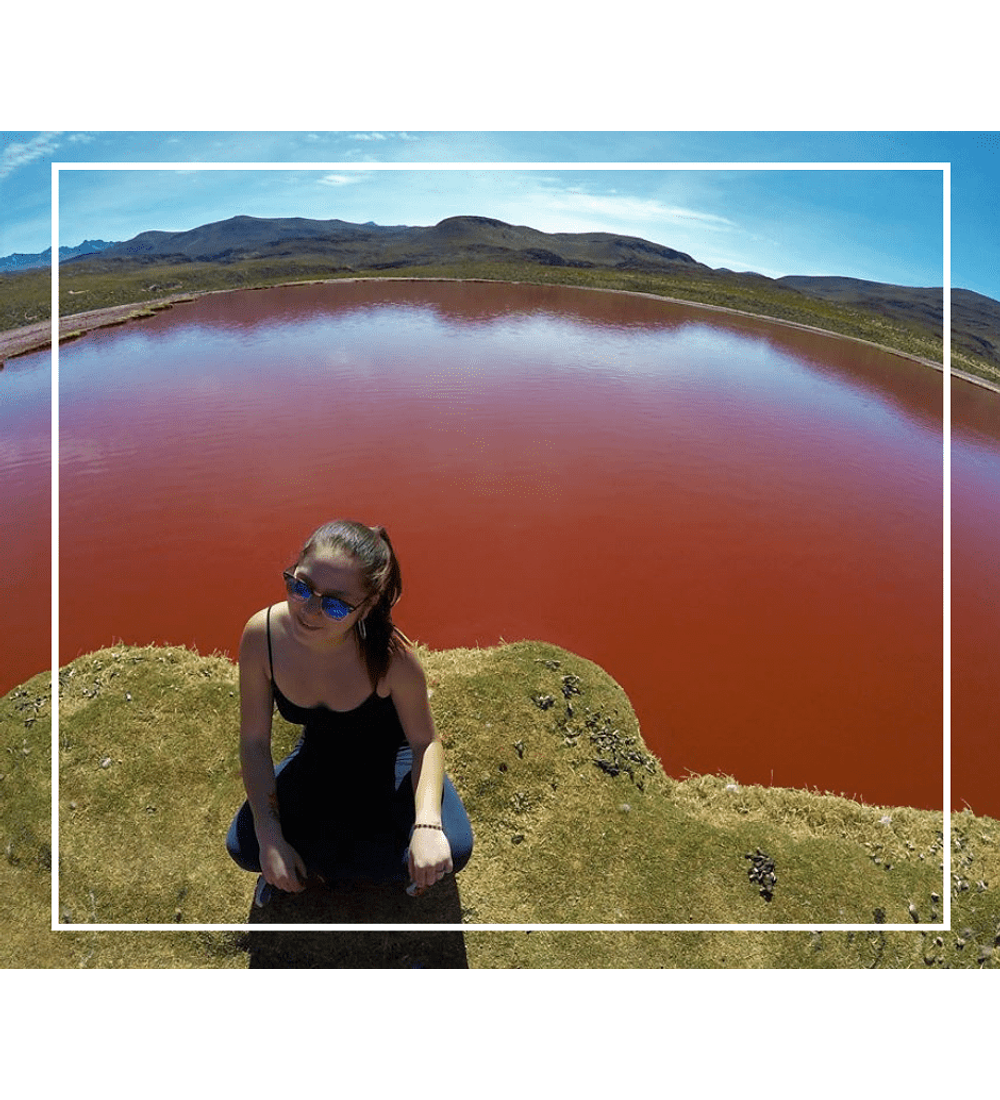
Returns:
point(361, 629)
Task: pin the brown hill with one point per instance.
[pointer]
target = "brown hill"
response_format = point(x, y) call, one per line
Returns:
point(375, 247)
point(975, 319)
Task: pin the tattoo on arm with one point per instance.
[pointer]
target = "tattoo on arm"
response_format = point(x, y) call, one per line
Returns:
point(272, 805)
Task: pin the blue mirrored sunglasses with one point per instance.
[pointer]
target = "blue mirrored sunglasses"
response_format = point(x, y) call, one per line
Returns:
point(299, 590)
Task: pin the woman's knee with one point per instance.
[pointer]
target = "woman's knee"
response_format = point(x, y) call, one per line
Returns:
point(457, 827)
point(241, 840)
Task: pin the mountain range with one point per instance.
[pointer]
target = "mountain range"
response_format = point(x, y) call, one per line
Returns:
point(23, 261)
point(372, 246)
point(347, 246)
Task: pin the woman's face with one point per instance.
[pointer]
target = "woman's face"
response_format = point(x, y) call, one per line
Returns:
point(327, 573)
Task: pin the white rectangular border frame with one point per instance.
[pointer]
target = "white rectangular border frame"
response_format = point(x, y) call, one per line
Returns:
point(354, 166)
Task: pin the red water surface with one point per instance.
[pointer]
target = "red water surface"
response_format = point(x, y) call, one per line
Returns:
point(975, 598)
point(25, 533)
point(742, 522)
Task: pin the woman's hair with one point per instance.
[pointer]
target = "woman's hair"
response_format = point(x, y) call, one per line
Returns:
point(380, 577)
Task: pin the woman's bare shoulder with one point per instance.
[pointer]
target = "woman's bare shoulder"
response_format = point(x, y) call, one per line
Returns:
point(405, 657)
point(406, 673)
point(256, 697)
point(408, 687)
point(254, 639)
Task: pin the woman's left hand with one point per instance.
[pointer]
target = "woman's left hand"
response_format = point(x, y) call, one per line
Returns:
point(430, 857)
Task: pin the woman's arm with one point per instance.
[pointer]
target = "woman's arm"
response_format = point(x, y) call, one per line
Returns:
point(430, 853)
point(280, 864)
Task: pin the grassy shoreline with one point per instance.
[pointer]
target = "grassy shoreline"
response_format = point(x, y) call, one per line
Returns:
point(149, 778)
point(128, 293)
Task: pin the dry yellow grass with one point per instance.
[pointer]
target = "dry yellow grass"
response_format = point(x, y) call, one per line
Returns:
point(149, 779)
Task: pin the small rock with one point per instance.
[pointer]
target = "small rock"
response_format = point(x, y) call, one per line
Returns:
point(570, 686)
point(106, 762)
point(762, 872)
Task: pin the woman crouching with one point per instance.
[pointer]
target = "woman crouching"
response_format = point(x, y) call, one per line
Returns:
point(363, 796)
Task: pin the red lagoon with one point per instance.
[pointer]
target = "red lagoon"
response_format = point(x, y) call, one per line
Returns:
point(741, 521)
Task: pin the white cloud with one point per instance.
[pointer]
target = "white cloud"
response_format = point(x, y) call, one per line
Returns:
point(630, 210)
point(19, 153)
point(376, 135)
point(342, 179)
point(557, 208)
point(41, 147)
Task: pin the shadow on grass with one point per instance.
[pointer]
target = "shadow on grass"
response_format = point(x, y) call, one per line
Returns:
point(359, 903)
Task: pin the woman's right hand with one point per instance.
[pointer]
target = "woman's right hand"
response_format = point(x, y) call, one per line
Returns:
point(282, 866)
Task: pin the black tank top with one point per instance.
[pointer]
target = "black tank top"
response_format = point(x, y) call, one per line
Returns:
point(350, 754)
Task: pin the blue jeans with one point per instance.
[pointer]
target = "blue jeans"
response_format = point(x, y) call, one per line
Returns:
point(376, 856)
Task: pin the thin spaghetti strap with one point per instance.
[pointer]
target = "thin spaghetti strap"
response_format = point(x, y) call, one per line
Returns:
point(270, 655)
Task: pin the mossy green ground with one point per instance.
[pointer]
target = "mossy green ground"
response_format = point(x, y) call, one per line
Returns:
point(149, 780)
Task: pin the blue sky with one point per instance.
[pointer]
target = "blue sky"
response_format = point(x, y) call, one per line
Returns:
point(884, 225)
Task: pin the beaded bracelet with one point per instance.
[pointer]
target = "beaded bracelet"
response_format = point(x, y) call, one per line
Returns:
point(423, 826)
